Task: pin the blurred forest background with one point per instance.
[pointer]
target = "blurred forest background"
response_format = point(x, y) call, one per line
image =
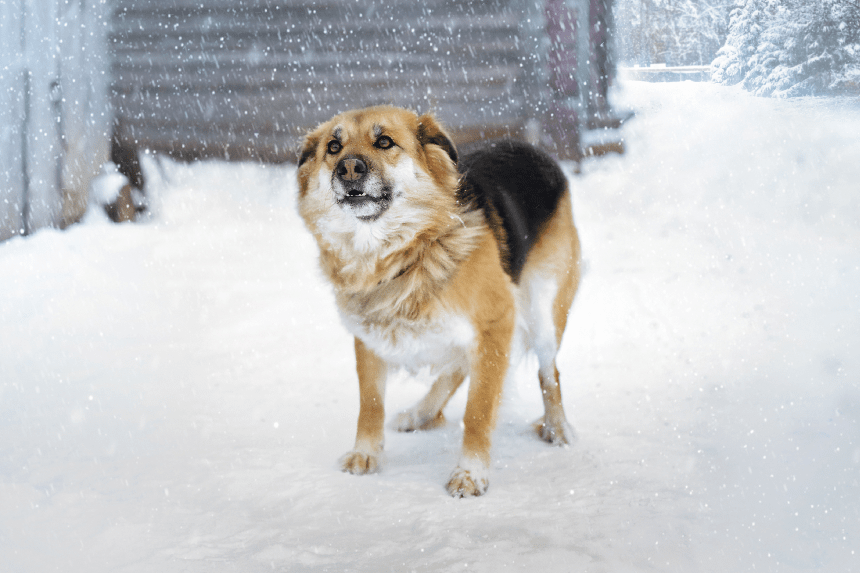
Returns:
point(773, 47)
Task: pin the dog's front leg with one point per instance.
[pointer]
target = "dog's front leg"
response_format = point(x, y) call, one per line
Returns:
point(489, 366)
point(366, 456)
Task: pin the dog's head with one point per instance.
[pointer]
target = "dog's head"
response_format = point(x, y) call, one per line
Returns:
point(367, 171)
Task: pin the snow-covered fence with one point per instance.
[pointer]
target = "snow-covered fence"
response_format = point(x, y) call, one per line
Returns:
point(243, 78)
point(660, 73)
point(54, 115)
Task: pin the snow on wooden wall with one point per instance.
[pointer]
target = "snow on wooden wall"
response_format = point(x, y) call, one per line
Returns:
point(12, 90)
point(54, 114)
point(244, 78)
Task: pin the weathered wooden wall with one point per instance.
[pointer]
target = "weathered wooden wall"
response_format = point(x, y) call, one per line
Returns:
point(54, 116)
point(244, 78)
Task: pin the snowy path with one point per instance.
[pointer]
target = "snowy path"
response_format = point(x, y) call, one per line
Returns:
point(174, 394)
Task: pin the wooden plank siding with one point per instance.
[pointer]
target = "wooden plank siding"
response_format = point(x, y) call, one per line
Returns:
point(244, 78)
point(54, 111)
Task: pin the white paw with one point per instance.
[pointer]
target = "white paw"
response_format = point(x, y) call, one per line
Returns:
point(556, 432)
point(360, 463)
point(465, 483)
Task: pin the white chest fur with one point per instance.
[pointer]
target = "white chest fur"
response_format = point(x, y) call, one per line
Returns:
point(443, 342)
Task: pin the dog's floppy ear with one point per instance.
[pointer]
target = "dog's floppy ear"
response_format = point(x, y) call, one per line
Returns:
point(309, 148)
point(431, 133)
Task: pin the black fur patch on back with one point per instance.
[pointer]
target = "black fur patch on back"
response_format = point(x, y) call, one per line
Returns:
point(518, 187)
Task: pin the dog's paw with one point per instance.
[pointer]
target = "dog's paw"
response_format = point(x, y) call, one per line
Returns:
point(360, 463)
point(556, 432)
point(465, 483)
point(413, 421)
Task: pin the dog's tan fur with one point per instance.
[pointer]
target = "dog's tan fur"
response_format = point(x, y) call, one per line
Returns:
point(424, 284)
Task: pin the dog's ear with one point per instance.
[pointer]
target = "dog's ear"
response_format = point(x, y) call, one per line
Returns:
point(431, 133)
point(309, 147)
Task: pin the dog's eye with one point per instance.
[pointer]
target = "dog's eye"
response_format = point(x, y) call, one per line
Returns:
point(334, 147)
point(384, 142)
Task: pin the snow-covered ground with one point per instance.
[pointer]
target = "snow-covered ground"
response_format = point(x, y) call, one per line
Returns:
point(174, 394)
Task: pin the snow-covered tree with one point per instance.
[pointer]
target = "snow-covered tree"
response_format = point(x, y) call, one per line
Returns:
point(748, 20)
point(792, 47)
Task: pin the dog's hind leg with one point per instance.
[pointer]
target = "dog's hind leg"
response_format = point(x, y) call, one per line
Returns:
point(553, 426)
point(548, 285)
point(427, 413)
point(549, 321)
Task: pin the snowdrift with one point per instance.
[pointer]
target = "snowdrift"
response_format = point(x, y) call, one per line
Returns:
point(174, 394)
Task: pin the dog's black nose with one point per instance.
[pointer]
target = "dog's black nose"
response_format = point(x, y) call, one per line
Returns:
point(351, 169)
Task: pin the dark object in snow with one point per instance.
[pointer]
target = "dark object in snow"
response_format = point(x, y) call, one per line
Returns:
point(124, 208)
point(125, 157)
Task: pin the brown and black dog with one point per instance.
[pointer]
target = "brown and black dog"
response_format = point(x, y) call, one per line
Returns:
point(442, 262)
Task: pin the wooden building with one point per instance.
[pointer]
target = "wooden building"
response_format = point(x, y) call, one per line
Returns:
point(87, 80)
point(55, 120)
point(242, 79)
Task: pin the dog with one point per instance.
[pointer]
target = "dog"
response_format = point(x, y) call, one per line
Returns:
point(443, 262)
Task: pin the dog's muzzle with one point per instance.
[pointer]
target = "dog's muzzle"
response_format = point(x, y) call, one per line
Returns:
point(360, 191)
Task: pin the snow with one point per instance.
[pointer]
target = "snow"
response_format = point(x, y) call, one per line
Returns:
point(106, 186)
point(174, 394)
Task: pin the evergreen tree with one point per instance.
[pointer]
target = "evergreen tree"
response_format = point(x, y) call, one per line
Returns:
point(747, 22)
point(792, 47)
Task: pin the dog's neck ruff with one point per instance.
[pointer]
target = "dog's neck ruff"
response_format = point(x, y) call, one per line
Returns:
point(401, 280)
